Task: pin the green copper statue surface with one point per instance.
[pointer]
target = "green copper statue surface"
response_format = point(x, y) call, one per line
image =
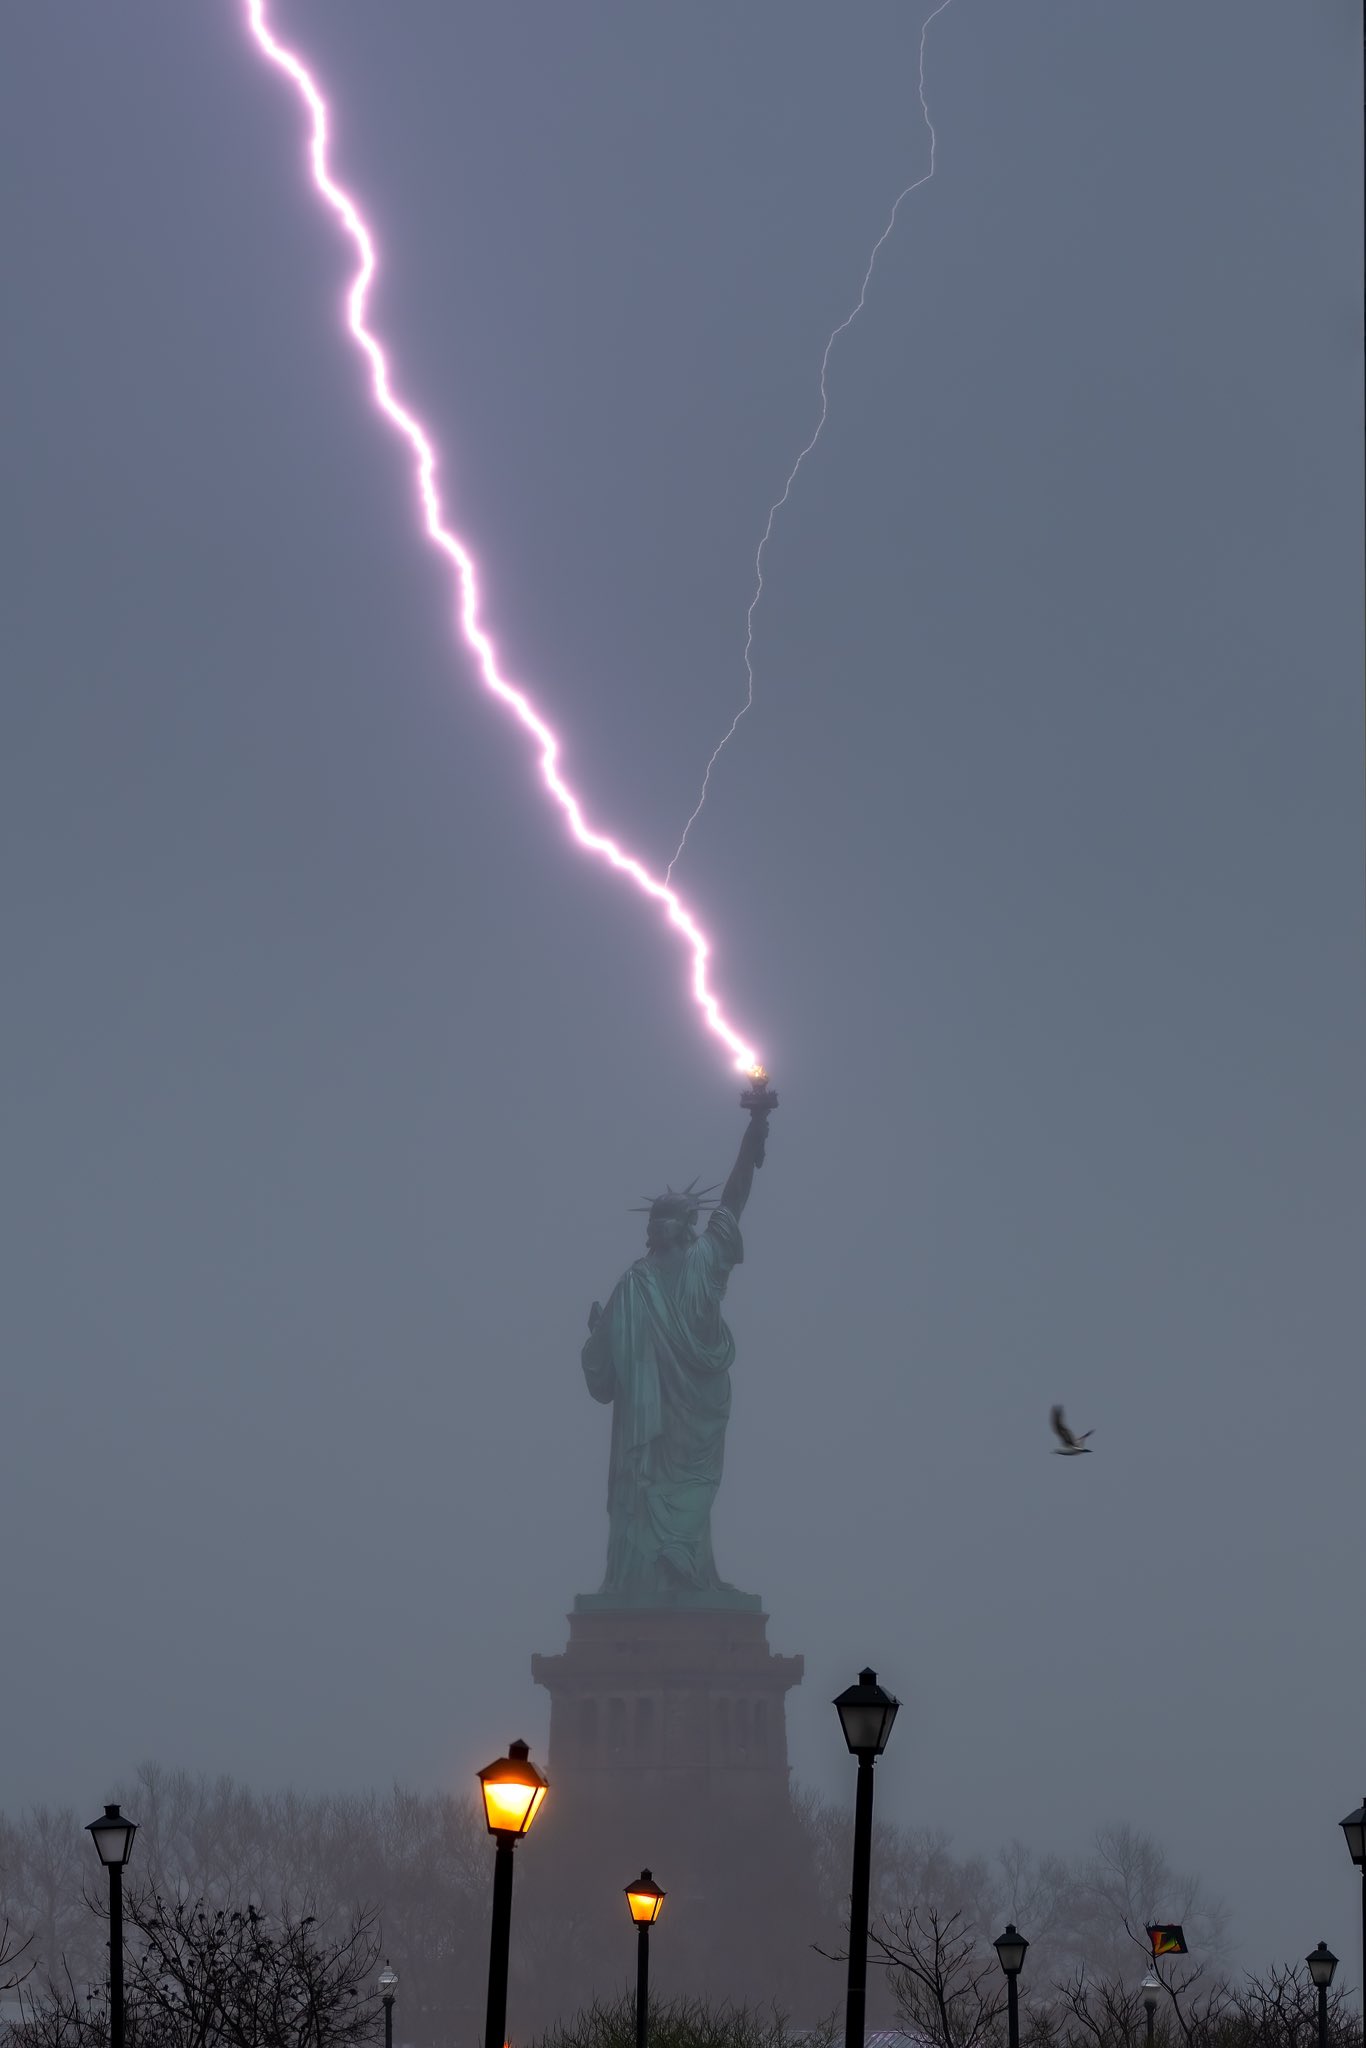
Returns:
point(661, 1354)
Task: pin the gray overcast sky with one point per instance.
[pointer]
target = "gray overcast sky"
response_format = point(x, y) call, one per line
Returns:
point(330, 1074)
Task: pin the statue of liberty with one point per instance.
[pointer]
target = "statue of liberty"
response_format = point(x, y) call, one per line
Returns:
point(661, 1354)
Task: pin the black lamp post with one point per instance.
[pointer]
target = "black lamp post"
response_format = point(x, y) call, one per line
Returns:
point(388, 1985)
point(514, 1791)
point(113, 1839)
point(644, 1898)
point(1322, 1963)
point(1010, 1948)
point(1354, 1827)
point(1150, 1989)
point(866, 1715)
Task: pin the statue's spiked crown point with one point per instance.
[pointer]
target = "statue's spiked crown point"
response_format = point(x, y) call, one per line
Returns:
point(684, 1204)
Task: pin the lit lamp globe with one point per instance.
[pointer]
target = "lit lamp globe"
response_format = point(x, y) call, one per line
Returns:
point(644, 1898)
point(513, 1791)
point(1322, 1963)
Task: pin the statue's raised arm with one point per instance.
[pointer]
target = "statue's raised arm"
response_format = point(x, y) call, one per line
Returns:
point(760, 1100)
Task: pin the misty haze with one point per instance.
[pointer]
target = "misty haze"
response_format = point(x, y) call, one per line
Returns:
point(462, 1314)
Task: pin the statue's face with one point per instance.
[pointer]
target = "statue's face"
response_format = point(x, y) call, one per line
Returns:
point(666, 1233)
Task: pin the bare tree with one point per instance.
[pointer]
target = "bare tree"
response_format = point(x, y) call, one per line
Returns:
point(1088, 2012)
point(1280, 2010)
point(945, 1988)
point(13, 1969)
point(43, 1863)
point(1127, 1883)
point(222, 1977)
point(685, 2023)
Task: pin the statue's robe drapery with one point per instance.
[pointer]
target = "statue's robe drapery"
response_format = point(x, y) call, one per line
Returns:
point(661, 1354)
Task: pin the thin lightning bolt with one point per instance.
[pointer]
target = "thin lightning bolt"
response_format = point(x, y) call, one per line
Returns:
point(776, 507)
point(457, 551)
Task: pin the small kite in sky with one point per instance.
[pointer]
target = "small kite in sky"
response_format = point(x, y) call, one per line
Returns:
point(1168, 1940)
point(1072, 1446)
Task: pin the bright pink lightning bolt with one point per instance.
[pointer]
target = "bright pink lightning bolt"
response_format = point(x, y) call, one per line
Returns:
point(457, 552)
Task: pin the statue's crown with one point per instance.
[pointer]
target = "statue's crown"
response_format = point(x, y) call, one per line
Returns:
point(683, 1204)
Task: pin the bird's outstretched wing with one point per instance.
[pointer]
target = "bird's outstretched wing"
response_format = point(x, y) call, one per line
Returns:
point(1060, 1429)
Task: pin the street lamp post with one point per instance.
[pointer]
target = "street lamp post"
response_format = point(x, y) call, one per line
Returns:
point(866, 1715)
point(644, 1899)
point(1354, 1828)
point(113, 1839)
point(388, 1985)
point(514, 1791)
point(1150, 1989)
point(1322, 1963)
point(1010, 1949)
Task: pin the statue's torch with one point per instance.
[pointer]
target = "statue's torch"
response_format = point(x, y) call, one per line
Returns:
point(759, 1098)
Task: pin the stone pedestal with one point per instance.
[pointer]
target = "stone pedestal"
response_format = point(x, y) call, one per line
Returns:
point(668, 1748)
point(677, 1711)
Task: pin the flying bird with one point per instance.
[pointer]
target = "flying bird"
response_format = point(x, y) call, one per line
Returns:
point(1072, 1446)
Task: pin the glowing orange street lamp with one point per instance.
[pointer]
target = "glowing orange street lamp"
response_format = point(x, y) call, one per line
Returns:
point(644, 1898)
point(514, 1791)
